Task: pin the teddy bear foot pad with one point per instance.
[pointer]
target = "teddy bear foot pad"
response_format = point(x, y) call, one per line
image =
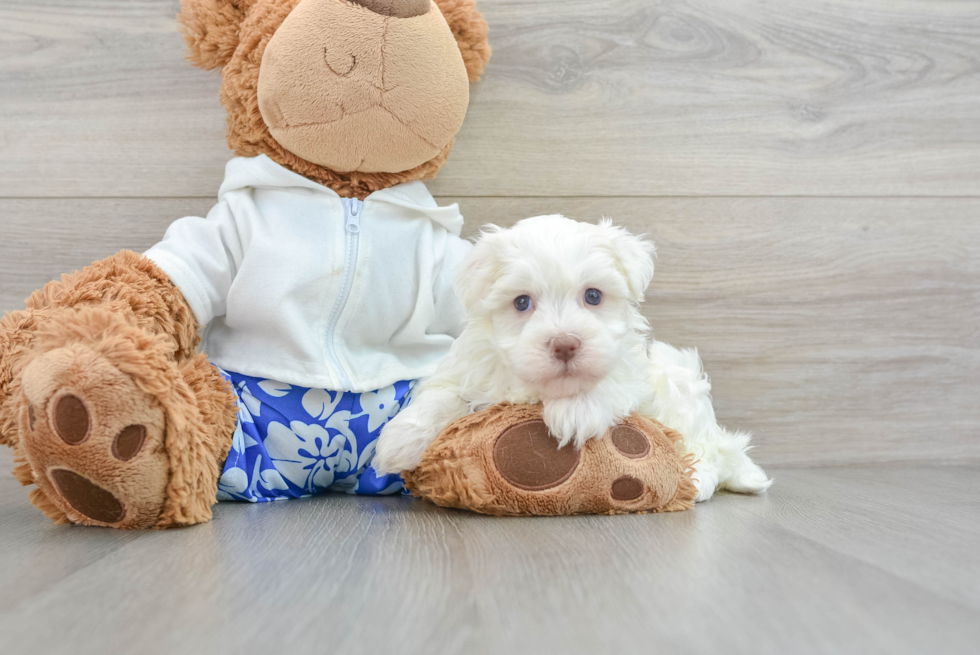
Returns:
point(503, 461)
point(93, 440)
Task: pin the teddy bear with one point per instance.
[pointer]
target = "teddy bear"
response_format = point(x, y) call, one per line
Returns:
point(255, 353)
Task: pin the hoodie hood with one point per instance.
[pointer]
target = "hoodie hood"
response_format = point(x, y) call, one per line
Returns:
point(412, 197)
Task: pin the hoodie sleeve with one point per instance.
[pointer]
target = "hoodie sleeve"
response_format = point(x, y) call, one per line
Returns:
point(450, 316)
point(201, 256)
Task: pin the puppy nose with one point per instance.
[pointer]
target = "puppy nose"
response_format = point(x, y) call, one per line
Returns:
point(564, 348)
point(396, 8)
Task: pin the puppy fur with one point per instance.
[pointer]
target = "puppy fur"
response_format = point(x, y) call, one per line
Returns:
point(589, 364)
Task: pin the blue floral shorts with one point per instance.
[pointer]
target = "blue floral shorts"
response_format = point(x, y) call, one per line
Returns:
point(293, 442)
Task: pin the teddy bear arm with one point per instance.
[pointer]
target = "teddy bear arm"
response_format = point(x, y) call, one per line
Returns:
point(127, 284)
point(117, 341)
point(130, 284)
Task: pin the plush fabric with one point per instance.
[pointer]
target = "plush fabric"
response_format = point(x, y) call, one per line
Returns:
point(353, 102)
point(396, 8)
point(235, 35)
point(127, 284)
point(211, 29)
point(201, 412)
point(501, 461)
point(66, 368)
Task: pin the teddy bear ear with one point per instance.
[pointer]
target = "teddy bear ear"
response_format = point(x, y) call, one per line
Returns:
point(470, 30)
point(211, 30)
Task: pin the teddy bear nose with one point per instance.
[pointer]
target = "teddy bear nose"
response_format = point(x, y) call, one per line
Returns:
point(396, 8)
point(564, 348)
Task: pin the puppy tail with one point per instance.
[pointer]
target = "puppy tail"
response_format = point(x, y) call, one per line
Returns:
point(740, 473)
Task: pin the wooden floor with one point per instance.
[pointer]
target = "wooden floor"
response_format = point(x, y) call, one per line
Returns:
point(810, 171)
point(863, 559)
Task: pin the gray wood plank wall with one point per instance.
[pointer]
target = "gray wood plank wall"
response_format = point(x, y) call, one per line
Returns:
point(809, 169)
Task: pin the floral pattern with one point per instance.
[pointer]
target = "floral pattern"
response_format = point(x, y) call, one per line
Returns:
point(292, 442)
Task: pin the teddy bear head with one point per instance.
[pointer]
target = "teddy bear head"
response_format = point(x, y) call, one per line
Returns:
point(357, 95)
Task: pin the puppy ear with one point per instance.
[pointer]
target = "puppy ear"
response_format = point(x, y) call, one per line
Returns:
point(479, 269)
point(211, 30)
point(634, 257)
point(470, 31)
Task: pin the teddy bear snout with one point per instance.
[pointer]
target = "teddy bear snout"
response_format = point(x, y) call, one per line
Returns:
point(395, 8)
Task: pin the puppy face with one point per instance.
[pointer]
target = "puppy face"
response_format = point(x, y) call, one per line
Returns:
point(558, 298)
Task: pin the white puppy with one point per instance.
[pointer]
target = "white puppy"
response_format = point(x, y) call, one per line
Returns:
point(554, 318)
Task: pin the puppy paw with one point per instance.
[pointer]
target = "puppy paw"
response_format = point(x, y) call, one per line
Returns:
point(576, 420)
point(705, 479)
point(402, 443)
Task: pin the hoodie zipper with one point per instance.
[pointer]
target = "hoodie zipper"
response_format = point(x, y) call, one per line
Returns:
point(352, 232)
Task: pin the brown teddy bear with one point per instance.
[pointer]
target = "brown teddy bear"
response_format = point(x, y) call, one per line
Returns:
point(336, 108)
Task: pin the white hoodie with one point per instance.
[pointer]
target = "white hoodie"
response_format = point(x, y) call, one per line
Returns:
point(299, 285)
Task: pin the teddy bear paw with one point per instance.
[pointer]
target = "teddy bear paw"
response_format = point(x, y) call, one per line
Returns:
point(93, 439)
point(505, 461)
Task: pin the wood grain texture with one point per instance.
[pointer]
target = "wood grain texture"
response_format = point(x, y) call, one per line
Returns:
point(837, 330)
point(889, 498)
point(582, 97)
point(857, 560)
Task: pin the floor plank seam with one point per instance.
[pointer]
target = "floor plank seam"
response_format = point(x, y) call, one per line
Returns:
point(440, 194)
point(844, 464)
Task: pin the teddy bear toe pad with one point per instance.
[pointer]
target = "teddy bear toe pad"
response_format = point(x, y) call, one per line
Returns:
point(86, 497)
point(71, 420)
point(94, 441)
point(503, 461)
point(528, 457)
point(629, 441)
point(626, 488)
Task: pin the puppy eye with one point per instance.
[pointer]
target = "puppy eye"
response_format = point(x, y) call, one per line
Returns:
point(593, 296)
point(522, 303)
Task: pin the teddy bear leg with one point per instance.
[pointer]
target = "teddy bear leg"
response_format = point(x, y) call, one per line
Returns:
point(115, 432)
